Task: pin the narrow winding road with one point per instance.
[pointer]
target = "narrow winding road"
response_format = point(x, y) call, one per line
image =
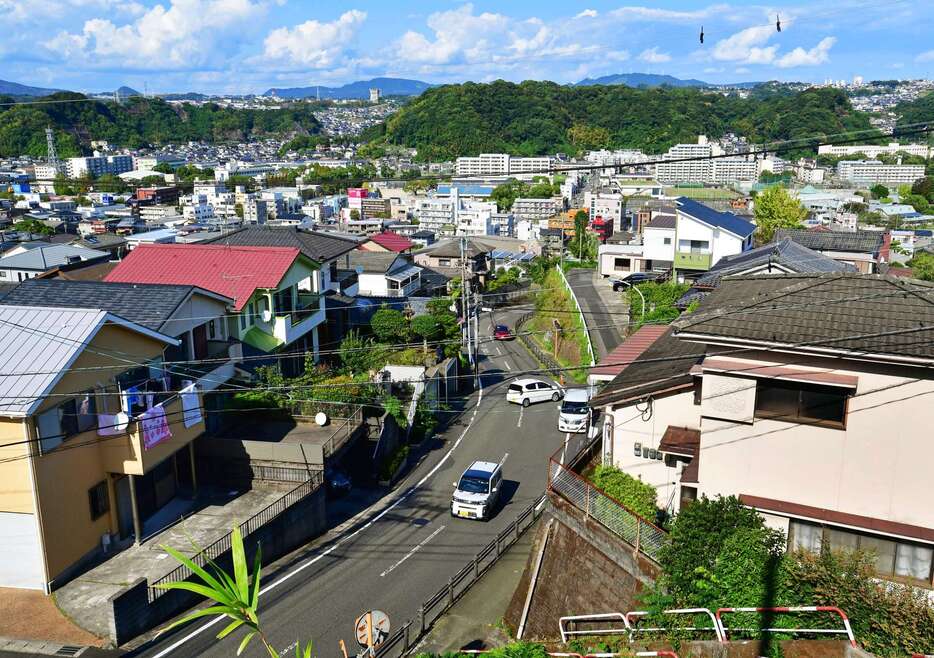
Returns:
point(601, 322)
point(403, 549)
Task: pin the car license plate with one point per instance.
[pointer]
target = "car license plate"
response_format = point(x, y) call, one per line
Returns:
point(463, 513)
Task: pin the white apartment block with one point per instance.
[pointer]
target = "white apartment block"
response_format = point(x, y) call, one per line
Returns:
point(46, 172)
point(874, 150)
point(608, 205)
point(492, 164)
point(724, 171)
point(451, 215)
point(98, 165)
point(527, 208)
point(691, 171)
point(618, 157)
point(868, 172)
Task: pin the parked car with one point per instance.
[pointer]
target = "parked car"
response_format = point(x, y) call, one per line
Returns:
point(478, 491)
point(337, 482)
point(502, 332)
point(527, 390)
point(634, 279)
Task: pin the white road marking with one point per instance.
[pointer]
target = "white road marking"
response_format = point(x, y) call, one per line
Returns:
point(564, 453)
point(503, 460)
point(415, 549)
point(402, 498)
point(521, 411)
point(506, 363)
point(499, 351)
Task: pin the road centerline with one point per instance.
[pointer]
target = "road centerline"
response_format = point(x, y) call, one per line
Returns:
point(415, 549)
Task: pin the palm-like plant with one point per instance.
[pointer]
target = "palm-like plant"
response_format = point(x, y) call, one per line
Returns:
point(236, 597)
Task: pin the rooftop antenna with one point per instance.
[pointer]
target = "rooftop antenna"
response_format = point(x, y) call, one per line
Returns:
point(52, 153)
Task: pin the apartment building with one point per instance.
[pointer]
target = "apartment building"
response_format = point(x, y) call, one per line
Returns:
point(874, 150)
point(798, 422)
point(102, 388)
point(869, 172)
point(492, 164)
point(98, 165)
point(691, 171)
point(608, 205)
point(453, 215)
point(725, 171)
point(529, 208)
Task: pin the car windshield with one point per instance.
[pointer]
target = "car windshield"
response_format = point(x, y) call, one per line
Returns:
point(472, 484)
point(570, 407)
point(502, 327)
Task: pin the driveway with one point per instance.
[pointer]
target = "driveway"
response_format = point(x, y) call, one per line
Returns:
point(605, 311)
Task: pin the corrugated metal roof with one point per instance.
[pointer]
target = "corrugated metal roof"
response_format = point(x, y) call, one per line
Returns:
point(725, 220)
point(38, 345)
point(49, 256)
point(629, 350)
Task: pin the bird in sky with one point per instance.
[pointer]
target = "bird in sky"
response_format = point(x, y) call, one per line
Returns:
point(702, 34)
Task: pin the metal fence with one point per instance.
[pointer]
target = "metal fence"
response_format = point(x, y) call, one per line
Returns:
point(540, 355)
point(346, 418)
point(216, 549)
point(644, 536)
point(411, 632)
point(580, 313)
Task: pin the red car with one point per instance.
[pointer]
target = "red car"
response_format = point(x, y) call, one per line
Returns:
point(501, 332)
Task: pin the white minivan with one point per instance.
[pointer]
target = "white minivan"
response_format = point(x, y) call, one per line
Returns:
point(478, 491)
point(574, 413)
point(527, 390)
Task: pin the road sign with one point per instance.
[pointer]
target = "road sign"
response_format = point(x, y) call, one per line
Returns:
point(371, 628)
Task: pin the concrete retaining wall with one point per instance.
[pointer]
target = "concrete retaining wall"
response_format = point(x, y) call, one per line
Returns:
point(130, 611)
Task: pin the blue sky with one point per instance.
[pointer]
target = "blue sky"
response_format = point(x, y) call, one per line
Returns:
point(246, 46)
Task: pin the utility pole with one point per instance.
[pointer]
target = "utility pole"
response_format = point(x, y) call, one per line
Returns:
point(464, 301)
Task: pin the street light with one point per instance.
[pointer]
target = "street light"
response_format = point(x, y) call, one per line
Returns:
point(641, 296)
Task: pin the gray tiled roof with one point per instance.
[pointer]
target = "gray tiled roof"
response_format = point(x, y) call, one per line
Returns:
point(149, 305)
point(663, 221)
point(377, 262)
point(784, 252)
point(45, 258)
point(866, 242)
point(315, 245)
point(857, 313)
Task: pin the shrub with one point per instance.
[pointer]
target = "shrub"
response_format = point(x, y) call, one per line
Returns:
point(427, 327)
point(631, 492)
point(390, 325)
point(359, 355)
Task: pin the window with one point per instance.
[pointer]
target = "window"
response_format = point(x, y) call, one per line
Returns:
point(801, 403)
point(97, 497)
point(623, 264)
point(57, 424)
point(242, 322)
point(667, 241)
point(3, 274)
point(893, 557)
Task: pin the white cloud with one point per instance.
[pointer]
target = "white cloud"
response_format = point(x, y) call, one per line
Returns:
point(801, 57)
point(313, 43)
point(186, 33)
point(588, 13)
point(636, 13)
point(926, 56)
point(747, 46)
point(653, 56)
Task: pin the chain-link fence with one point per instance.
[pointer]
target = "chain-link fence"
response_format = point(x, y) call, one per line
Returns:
point(644, 536)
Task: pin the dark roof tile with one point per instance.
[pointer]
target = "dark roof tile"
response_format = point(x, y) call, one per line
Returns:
point(315, 245)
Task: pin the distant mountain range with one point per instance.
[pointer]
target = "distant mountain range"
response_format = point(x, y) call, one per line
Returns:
point(655, 80)
point(359, 90)
point(16, 89)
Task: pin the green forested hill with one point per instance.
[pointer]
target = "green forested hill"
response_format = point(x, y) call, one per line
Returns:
point(916, 111)
point(136, 122)
point(535, 118)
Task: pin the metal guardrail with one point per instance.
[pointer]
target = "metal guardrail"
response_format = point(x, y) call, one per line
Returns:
point(539, 354)
point(644, 536)
point(404, 639)
point(214, 550)
point(580, 312)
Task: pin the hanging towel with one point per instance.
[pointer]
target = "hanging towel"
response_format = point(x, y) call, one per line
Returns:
point(112, 424)
point(155, 427)
point(191, 405)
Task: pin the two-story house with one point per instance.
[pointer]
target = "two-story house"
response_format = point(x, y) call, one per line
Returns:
point(806, 396)
point(94, 438)
point(196, 317)
point(277, 292)
point(385, 274)
point(689, 242)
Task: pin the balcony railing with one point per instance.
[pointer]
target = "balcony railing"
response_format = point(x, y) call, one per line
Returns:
point(691, 260)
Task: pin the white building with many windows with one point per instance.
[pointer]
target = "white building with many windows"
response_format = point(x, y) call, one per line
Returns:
point(492, 164)
point(874, 150)
point(868, 172)
point(98, 165)
point(673, 168)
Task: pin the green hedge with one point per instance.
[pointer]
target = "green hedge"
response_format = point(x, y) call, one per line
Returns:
point(631, 492)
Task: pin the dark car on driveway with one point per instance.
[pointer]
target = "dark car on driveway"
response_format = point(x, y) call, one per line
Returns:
point(634, 279)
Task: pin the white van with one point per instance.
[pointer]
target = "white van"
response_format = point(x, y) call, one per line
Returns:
point(478, 491)
point(574, 412)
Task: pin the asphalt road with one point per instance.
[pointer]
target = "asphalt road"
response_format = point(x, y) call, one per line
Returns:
point(601, 323)
point(406, 546)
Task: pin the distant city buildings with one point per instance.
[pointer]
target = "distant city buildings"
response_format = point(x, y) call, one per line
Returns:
point(869, 172)
point(492, 164)
point(374, 95)
point(98, 165)
point(874, 150)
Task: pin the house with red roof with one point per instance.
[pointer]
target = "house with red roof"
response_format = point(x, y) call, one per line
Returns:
point(278, 305)
point(387, 241)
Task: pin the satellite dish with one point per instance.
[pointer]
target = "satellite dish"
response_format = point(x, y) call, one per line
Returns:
point(321, 419)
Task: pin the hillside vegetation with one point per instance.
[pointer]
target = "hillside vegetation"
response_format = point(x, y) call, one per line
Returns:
point(537, 118)
point(138, 122)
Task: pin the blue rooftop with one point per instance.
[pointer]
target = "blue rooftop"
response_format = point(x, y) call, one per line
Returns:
point(467, 190)
point(725, 220)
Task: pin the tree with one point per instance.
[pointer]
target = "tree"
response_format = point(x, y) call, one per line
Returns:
point(389, 325)
point(924, 187)
point(428, 328)
point(918, 202)
point(33, 227)
point(504, 195)
point(879, 191)
point(238, 210)
point(776, 209)
point(356, 353)
point(163, 168)
point(354, 214)
point(922, 266)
